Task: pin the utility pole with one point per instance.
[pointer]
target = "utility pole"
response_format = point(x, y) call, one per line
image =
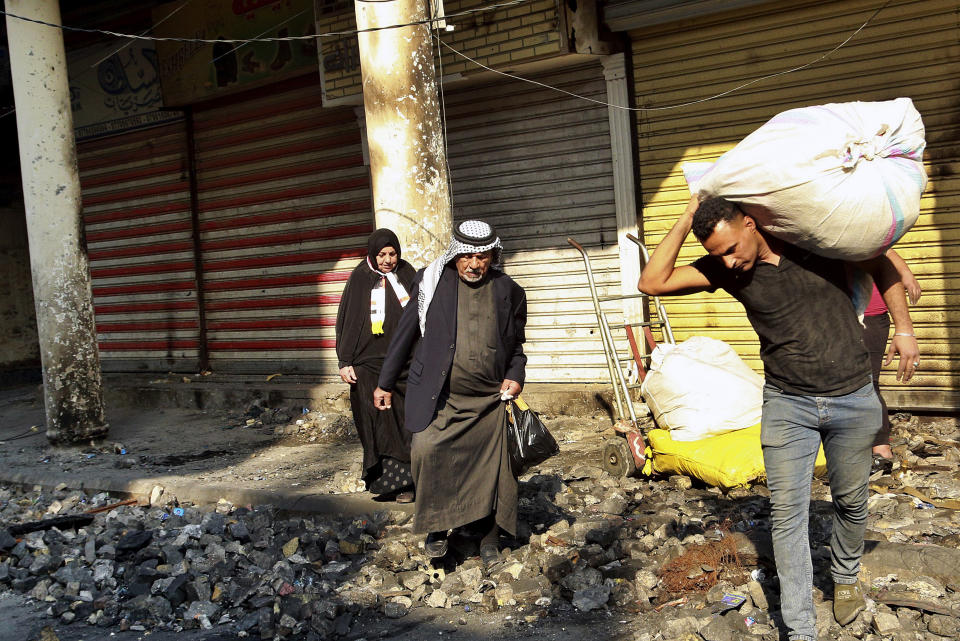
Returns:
point(408, 163)
point(73, 396)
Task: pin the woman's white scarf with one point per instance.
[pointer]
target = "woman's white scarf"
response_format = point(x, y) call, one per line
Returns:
point(378, 297)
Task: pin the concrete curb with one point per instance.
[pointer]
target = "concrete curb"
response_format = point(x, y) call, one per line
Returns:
point(318, 393)
point(204, 494)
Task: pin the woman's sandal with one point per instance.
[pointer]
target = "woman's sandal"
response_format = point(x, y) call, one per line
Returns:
point(405, 497)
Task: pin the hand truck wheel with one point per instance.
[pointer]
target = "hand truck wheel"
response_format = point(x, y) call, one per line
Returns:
point(617, 459)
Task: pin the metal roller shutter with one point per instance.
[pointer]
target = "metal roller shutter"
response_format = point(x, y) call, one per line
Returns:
point(136, 200)
point(909, 49)
point(537, 165)
point(285, 209)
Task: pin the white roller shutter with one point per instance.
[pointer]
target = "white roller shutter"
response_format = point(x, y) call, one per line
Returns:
point(537, 165)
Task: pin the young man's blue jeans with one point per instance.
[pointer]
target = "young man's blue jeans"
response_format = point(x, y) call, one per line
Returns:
point(793, 428)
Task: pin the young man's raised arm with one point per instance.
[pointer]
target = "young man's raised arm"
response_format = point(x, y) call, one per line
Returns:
point(661, 275)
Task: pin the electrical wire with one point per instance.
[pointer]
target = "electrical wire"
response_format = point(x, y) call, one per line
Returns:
point(112, 53)
point(116, 34)
point(33, 431)
point(432, 20)
point(236, 48)
point(20, 438)
point(684, 104)
point(143, 33)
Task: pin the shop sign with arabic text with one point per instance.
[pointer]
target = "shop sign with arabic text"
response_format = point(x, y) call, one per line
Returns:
point(115, 88)
point(191, 71)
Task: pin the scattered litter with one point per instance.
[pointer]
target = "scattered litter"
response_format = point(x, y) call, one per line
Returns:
point(112, 506)
point(729, 602)
point(669, 604)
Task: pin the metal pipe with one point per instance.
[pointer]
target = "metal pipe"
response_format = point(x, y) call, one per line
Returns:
point(661, 312)
point(203, 355)
point(608, 348)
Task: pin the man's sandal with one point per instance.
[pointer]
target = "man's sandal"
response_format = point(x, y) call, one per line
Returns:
point(436, 545)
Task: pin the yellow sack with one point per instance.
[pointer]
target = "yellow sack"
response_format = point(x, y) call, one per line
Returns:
point(725, 461)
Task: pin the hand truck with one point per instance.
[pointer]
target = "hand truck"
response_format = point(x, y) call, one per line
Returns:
point(624, 454)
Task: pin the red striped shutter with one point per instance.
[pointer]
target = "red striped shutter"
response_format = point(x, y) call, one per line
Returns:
point(285, 209)
point(136, 200)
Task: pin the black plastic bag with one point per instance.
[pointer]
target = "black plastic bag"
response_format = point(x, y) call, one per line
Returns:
point(528, 441)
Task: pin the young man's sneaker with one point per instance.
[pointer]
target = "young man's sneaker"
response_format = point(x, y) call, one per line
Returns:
point(847, 602)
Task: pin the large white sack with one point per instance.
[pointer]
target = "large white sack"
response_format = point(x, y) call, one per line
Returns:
point(701, 388)
point(842, 180)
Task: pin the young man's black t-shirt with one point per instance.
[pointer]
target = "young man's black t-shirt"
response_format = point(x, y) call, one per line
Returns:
point(811, 341)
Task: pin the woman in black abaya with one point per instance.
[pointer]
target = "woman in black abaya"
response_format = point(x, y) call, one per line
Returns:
point(370, 308)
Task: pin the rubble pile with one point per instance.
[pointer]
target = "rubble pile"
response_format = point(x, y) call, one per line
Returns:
point(327, 425)
point(672, 558)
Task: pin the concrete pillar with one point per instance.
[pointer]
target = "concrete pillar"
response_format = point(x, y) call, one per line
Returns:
point(404, 132)
point(51, 193)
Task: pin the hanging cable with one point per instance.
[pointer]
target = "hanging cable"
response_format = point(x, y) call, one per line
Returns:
point(430, 20)
point(115, 34)
point(684, 104)
point(145, 32)
point(269, 29)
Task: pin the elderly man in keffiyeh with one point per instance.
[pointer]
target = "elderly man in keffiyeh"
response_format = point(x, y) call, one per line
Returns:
point(470, 320)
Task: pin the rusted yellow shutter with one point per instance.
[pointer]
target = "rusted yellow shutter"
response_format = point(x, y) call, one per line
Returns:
point(909, 49)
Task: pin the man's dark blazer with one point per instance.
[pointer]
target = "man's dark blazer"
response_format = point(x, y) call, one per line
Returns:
point(433, 355)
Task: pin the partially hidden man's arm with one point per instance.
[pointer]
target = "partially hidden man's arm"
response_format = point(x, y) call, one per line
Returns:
point(904, 343)
point(516, 366)
point(403, 339)
point(661, 275)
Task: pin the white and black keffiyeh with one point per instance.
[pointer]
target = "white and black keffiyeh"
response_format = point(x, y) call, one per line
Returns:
point(469, 237)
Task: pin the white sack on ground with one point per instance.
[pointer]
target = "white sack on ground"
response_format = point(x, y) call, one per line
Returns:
point(701, 388)
point(842, 180)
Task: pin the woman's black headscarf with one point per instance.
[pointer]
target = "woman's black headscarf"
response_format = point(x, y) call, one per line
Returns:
point(355, 343)
point(378, 240)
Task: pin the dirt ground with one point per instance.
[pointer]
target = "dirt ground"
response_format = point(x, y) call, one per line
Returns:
point(220, 448)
